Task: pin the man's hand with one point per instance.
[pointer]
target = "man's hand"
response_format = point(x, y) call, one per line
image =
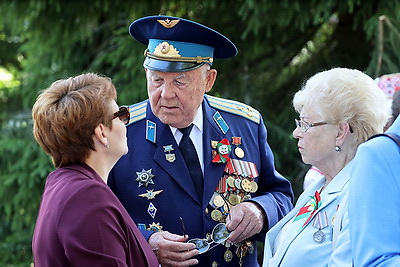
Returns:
point(246, 219)
point(172, 250)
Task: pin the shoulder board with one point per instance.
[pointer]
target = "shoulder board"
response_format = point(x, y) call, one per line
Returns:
point(137, 112)
point(234, 107)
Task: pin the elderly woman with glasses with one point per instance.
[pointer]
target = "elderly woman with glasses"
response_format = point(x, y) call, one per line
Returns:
point(339, 109)
point(80, 221)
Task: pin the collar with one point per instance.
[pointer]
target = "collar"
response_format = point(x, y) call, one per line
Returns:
point(198, 121)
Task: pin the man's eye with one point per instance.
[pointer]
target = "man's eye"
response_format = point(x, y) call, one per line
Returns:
point(157, 80)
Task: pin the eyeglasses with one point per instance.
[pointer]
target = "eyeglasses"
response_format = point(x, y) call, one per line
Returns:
point(218, 236)
point(123, 114)
point(304, 126)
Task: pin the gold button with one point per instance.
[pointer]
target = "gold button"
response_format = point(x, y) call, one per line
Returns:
point(214, 264)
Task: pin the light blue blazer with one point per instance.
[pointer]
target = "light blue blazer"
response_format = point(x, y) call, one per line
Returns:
point(335, 250)
point(374, 202)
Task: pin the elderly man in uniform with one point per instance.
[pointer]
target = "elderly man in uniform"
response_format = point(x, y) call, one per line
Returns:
point(199, 178)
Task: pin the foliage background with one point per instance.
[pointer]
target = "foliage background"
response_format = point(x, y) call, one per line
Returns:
point(280, 43)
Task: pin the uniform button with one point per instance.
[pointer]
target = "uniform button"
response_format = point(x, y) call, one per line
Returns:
point(214, 264)
point(206, 211)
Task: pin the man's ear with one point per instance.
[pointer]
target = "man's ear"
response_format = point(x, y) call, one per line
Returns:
point(100, 134)
point(210, 79)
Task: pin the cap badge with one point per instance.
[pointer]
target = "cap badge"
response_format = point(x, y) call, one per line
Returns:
point(167, 23)
point(166, 49)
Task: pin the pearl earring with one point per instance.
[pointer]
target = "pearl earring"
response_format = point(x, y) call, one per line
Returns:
point(338, 148)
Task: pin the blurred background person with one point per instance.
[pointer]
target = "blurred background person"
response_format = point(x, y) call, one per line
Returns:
point(390, 85)
point(339, 109)
point(80, 221)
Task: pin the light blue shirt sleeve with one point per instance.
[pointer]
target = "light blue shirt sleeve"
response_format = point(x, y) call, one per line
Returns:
point(374, 204)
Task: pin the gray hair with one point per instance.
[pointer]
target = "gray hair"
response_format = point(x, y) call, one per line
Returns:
point(346, 95)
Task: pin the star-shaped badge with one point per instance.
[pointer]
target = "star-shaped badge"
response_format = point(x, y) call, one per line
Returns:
point(155, 227)
point(145, 177)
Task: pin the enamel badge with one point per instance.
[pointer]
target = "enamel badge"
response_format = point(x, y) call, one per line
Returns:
point(144, 177)
point(150, 194)
point(170, 157)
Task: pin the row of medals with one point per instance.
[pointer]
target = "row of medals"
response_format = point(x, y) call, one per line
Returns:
point(238, 190)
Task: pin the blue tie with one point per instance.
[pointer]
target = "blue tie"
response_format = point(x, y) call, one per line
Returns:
point(192, 161)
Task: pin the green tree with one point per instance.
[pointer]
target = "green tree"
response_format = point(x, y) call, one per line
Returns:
point(280, 43)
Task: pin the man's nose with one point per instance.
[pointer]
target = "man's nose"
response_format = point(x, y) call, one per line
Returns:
point(167, 90)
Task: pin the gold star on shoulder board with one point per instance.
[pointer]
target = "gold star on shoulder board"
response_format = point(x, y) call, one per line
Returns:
point(151, 194)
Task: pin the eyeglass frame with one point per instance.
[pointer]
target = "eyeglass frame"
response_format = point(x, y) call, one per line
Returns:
point(121, 113)
point(209, 244)
point(209, 247)
point(307, 125)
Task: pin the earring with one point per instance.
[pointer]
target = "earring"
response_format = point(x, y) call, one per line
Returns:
point(107, 146)
point(338, 148)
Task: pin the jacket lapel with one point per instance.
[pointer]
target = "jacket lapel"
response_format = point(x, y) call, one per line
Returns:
point(332, 191)
point(274, 231)
point(161, 135)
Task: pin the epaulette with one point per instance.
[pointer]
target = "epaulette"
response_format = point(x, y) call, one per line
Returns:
point(234, 107)
point(137, 112)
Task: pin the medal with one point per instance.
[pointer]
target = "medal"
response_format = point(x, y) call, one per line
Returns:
point(234, 199)
point(170, 157)
point(254, 187)
point(246, 185)
point(226, 208)
point(238, 151)
point(228, 255)
point(319, 237)
point(144, 177)
point(216, 215)
point(218, 201)
point(214, 144)
point(320, 222)
point(230, 181)
point(238, 183)
point(223, 148)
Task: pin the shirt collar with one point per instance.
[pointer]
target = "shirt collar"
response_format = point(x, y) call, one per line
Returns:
point(198, 121)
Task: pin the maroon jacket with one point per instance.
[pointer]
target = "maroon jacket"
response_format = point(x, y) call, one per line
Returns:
point(82, 223)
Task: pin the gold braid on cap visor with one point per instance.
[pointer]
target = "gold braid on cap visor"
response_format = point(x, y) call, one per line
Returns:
point(197, 59)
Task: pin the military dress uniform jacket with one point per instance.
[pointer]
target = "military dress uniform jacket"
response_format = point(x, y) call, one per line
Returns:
point(374, 202)
point(169, 194)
